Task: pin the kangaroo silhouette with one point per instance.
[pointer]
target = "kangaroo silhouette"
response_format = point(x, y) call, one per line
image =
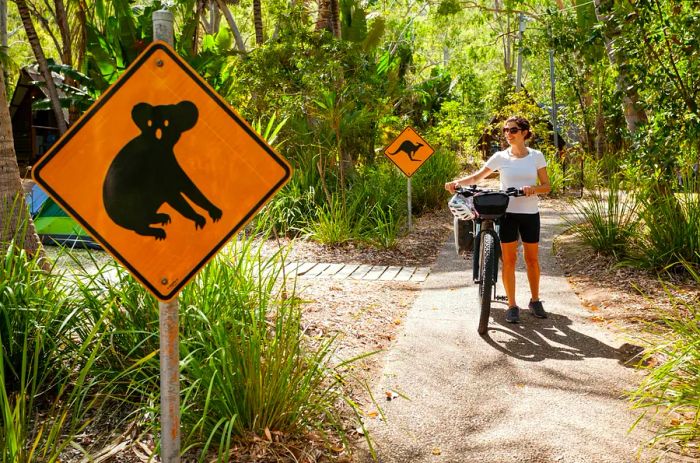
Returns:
point(409, 148)
point(145, 174)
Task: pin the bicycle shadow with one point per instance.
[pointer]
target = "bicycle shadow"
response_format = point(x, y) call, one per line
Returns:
point(535, 340)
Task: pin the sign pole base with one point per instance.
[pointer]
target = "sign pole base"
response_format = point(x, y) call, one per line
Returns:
point(169, 382)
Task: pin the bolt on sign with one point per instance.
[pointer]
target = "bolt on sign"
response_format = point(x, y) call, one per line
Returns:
point(161, 171)
point(409, 151)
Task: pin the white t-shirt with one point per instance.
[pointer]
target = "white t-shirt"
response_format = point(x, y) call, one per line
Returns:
point(517, 173)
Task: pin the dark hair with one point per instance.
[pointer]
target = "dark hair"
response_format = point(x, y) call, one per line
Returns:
point(521, 122)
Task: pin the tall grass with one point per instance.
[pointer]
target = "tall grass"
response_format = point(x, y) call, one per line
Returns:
point(46, 392)
point(246, 365)
point(671, 390)
point(84, 347)
point(607, 220)
point(428, 182)
point(671, 230)
point(373, 210)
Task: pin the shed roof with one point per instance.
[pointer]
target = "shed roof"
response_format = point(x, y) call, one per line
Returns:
point(28, 78)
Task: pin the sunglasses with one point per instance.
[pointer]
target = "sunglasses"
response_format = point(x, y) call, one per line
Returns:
point(512, 130)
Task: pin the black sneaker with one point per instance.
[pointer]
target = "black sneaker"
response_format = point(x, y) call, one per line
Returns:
point(537, 309)
point(513, 314)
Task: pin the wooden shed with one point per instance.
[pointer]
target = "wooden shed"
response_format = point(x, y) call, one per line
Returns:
point(33, 130)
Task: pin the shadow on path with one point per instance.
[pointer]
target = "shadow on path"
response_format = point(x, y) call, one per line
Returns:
point(535, 340)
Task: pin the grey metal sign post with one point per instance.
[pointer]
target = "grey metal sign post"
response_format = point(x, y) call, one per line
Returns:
point(410, 205)
point(168, 321)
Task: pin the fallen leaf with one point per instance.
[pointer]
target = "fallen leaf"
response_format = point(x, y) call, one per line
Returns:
point(268, 434)
point(397, 321)
point(436, 451)
point(360, 431)
point(372, 414)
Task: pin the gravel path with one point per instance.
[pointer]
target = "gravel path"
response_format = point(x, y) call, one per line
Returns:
point(541, 391)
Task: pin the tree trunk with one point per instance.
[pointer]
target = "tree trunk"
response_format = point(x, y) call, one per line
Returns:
point(335, 17)
point(232, 25)
point(324, 18)
point(3, 31)
point(62, 21)
point(634, 113)
point(214, 16)
point(13, 209)
point(43, 65)
point(257, 19)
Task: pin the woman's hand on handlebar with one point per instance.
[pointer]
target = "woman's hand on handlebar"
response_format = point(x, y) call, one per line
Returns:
point(451, 186)
point(529, 191)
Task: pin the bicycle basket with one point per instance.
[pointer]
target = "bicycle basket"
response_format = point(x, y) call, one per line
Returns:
point(491, 205)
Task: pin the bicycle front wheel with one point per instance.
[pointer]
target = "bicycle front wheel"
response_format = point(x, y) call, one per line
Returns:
point(487, 271)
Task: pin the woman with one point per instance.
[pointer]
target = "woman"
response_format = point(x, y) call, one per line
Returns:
point(519, 167)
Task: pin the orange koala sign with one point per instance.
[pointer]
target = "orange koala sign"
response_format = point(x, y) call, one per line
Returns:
point(161, 171)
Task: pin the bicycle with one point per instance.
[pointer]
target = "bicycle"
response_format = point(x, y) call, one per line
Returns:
point(484, 208)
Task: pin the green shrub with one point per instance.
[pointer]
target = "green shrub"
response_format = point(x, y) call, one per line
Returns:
point(246, 367)
point(560, 177)
point(671, 232)
point(48, 394)
point(337, 223)
point(671, 388)
point(428, 183)
point(607, 220)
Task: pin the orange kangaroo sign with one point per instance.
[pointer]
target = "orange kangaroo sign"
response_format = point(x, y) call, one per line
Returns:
point(161, 171)
point(409, 151)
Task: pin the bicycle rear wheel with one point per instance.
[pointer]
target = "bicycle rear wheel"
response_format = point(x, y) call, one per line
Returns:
point(487, 271)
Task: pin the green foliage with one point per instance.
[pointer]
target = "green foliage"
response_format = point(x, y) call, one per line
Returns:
point(71, 356)
point(337, 223)
point(561, 175)
point(671, 389)
point(457, 126)
point(79, 96)
point(116, 34)
point(47, 394)
point(353, 21)
point(607, 220)
point(429, 181)
point(246, 365)
point(671, 233)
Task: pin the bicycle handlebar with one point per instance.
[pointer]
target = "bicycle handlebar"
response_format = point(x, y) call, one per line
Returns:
point(472, 190)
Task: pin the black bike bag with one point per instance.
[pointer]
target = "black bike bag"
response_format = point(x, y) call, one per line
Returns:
point(491, 205)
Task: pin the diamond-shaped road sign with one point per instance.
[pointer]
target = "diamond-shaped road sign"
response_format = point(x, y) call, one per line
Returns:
point(409, 151)
point(161, 171)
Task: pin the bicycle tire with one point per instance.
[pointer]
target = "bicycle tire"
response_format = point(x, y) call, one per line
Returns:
point(487, 271)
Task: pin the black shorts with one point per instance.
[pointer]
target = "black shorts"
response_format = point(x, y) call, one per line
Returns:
point(526, 225)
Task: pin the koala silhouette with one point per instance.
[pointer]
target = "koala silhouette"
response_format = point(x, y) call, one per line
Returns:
point(145, 173)
point(409, 148)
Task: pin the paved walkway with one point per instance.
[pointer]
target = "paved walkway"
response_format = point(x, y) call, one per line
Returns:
point(542, 391)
